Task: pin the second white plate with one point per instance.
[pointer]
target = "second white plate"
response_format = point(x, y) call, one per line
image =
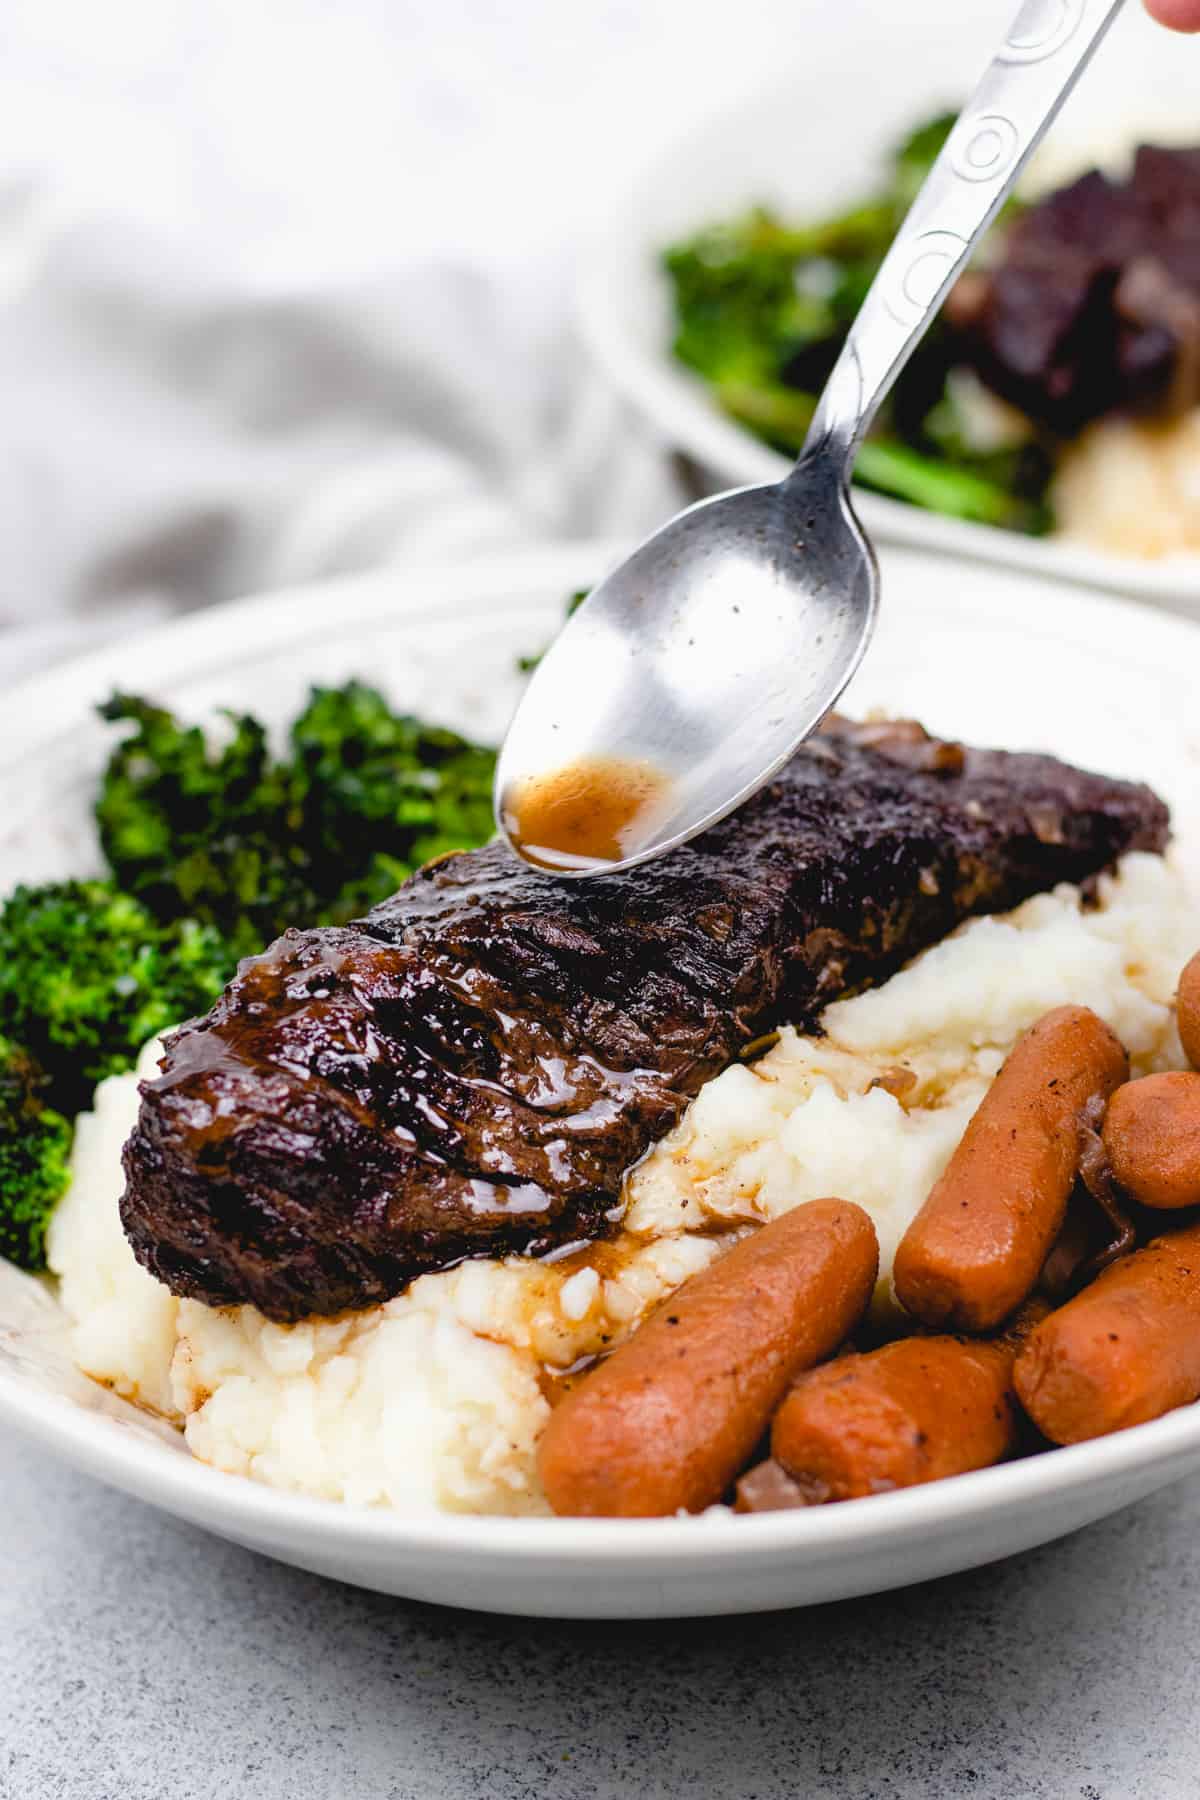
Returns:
point(816, 140)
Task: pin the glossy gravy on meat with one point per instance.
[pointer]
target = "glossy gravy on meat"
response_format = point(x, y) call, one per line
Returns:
point(594, 810)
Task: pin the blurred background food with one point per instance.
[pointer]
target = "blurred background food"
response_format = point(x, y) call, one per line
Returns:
point(1049, 421)
point(1059, 387)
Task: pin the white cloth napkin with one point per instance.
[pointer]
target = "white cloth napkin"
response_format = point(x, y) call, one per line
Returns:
point(174, 427)
point(284, 288)
point(284, 284)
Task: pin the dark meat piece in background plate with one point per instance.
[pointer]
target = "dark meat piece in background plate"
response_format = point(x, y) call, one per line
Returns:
point(471, 1069)
point(1094, 303)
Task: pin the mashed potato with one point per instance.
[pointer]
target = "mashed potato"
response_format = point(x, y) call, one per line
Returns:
point(436, 1400)
point(1132, 488)
point(872, 1111)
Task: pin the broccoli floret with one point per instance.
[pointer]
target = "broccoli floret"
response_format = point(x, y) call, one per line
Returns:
point(252, 843)
point(379, 793)
point(753, 294)
point(35, 1148)
point(201, 831)
point(87, 976)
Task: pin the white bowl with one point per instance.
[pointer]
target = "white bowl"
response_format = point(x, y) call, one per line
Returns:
point(815, 140)
point(973, 651)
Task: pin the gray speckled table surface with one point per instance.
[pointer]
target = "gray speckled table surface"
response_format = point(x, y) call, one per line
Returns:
point(140, 1659)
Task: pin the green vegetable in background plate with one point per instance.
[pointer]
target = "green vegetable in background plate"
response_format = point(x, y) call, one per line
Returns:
point(762, 308)
point(380, 793)
point(35, 1150)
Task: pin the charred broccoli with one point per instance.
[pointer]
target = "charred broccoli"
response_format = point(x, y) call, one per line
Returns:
point(35, 1148)
point(88, 975)
point(201, 831)
point(380, 794)
point(251, 843)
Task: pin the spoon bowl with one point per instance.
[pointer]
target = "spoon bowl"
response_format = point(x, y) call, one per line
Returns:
point(707, 657)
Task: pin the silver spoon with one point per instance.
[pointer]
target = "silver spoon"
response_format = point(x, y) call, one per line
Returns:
point(698, 667)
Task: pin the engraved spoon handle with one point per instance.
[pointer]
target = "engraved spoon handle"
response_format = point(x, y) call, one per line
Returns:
point(1047, 49)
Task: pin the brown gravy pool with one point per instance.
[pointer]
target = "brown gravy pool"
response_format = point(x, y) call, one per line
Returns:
point(594, 810)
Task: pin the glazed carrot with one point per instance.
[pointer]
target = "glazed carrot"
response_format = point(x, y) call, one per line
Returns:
point(1152, 1136)
point(1188, 1011)
point(974, 1250)
point(911, 1412)
point(670, 1418)
point(1125, 1350)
